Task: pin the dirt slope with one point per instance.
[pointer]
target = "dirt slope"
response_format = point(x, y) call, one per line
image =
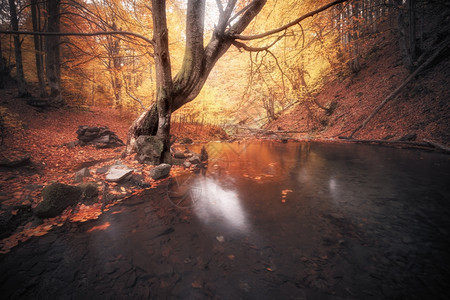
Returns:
point(422, 107)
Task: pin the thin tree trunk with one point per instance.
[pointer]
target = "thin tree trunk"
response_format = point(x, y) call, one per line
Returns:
point(21, 84)
point(37, 48)
point(2, 67)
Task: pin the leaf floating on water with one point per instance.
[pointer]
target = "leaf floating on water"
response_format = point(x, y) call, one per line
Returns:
point(220, 238)
point(285, 192)
point(99, 227)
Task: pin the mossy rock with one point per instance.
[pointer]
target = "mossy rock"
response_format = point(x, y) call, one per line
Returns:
point(148, 149)
point(56, 198)
point(89, 192)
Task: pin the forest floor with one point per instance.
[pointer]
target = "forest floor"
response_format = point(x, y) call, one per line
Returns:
point(422, 107)
point(42, 135)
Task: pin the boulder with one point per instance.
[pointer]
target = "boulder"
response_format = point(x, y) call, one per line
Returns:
point(89, 192)
point(148, 149)
point(160, 171)
point(56, 198)
point(179, 154)
point(80, 174)
point(100, 137)
point(118, 172)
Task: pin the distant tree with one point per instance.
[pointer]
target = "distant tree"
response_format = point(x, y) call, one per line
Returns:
point(52, 49)
point(38, 47)
point(20, 76)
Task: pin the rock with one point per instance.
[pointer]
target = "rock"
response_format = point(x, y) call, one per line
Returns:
point(148, 149)
point(408, 137)
point(139, 181)
point(71, 145)
point(101, 137)
point(195, 160)
point(187, 164)
point(103, 170)
point(89, 192)
point(56, 198)
point(203, 154)
point(186, 141)
point(160, 171)
point(118, 172)
point(180, 155)
point(80, 174)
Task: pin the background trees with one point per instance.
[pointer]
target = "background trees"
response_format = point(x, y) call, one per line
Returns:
point(264, 72)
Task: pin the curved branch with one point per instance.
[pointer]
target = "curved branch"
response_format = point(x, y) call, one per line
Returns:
point(240, 45)
point(290, 24)
point(125, 33)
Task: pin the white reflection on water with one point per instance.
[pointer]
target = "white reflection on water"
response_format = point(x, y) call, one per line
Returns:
point(217, 204)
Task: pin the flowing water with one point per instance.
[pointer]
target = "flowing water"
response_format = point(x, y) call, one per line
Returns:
point(265, 220)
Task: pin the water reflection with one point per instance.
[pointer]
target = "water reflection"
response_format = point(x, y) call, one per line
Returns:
point(216, 203)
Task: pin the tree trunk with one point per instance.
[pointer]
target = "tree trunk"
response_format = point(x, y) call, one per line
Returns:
point(35, 16)
point(52, 42)
point(21, 84)
point(2, 67)
point(198, 62)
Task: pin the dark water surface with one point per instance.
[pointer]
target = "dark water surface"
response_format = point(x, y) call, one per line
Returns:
point(266, 221)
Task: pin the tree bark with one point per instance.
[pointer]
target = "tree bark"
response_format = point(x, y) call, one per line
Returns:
point(38, 48)
point(20, 77)
point(53, 60)
point(2, 68)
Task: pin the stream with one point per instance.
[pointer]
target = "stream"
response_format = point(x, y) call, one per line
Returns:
point(265, 220)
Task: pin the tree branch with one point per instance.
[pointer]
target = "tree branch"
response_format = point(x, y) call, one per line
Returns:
point(125, 33)
point(290, 24)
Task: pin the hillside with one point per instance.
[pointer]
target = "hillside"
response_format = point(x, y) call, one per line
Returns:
point(422, 107)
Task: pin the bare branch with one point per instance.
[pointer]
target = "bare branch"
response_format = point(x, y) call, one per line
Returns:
point(219, 6)
point(290, 24)
point(81, 34)
point(240, 45)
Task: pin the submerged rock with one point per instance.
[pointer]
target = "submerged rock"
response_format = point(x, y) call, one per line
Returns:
point(56, 198)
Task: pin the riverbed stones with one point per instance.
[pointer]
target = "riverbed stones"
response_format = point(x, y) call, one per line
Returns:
point(160, 171)
point(89, 192)
point(118, 172)
point(56, 198)
point(100, 137)
point(148, 149)
point(80, 174)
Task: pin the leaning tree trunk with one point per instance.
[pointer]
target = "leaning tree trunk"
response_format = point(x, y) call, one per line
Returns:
point(21, 84)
